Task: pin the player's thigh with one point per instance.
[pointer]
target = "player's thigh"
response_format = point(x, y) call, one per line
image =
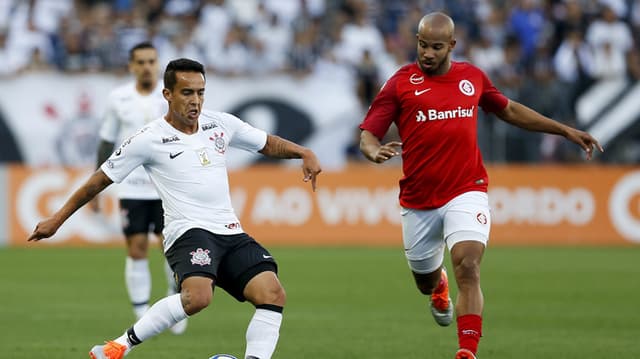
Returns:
point(423, 239)
point(246, 260)
point(196, 253)
point(467, 218)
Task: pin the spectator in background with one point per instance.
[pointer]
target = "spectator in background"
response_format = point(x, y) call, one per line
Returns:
point(633, 64)
point(234, 57)
point(610, 40)
point(608, 63)
point(357, 36)
point(25, 36)
point(81, 36)
point(178, 41)
point(568, 17)
point(71, 51)
point(635, 18)
point(102, 43)
point(7, 58)
point(130, 29)
point(527, 23)
point(487, 55)
point(303, 53)
point(367, 85)
point(272, 38)
point(573, 64)
point(214, 23)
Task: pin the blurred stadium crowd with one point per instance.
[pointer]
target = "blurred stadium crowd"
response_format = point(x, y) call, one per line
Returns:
point(544, 53)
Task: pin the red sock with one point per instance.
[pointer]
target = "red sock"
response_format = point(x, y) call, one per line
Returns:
point(469, 331)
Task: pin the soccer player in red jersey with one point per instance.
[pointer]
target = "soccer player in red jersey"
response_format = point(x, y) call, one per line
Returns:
point(434, 104)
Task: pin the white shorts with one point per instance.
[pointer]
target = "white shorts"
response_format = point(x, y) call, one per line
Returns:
point(467, 217)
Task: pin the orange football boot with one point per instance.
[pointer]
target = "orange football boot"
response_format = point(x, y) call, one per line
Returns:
point(110, 350)
point(441, 305)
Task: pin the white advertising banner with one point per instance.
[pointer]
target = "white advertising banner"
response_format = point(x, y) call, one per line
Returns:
point(54, 118)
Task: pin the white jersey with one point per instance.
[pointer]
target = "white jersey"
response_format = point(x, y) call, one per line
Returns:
point(127, 112)
point(189, 171)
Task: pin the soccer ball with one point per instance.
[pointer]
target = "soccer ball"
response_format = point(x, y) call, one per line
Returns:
point(223, 356)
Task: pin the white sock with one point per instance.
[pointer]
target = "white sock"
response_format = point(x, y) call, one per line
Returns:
point(171, 280)
point(262, 333)
point(163, 314)
point(137, 278)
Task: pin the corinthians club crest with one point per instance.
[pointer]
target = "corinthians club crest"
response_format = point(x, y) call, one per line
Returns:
point(200, 257)
point(219, 142)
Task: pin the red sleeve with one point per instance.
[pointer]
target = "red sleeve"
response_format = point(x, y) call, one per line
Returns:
point(383, 110)
point(491, 100)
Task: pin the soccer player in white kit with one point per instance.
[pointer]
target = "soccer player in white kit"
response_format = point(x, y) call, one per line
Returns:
point(434, 103)
point(184, 155)
point(130, 107)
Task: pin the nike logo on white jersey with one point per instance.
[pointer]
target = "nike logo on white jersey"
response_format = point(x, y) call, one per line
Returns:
point(174, 155)
point(266, 256)
point(418, 93)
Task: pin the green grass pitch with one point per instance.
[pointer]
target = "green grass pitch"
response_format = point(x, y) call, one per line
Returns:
point(343, 303)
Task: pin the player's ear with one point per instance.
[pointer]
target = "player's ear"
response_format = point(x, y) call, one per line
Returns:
point(166, 93)
point(452, 44)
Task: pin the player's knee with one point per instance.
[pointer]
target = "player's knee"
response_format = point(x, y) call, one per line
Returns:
point(265, 288)
point(274, 294)
point(137, 246)
point(195, 299)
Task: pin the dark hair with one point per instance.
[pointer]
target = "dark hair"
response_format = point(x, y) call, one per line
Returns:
point(180, 65)
point(140, 46)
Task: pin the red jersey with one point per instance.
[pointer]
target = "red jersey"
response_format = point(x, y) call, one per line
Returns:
point(437, 121)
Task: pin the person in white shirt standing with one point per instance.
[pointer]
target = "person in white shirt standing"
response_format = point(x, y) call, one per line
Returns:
point(130, 107)
point(184, 154)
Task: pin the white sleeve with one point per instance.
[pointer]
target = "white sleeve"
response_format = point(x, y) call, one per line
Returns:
point(245, 136)
point(110, 128)
point(132, 153)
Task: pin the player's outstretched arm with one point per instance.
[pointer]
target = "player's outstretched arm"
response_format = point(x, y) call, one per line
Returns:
point(278, 147)
point(374, 151)
point(94, 185)
point(524, 117)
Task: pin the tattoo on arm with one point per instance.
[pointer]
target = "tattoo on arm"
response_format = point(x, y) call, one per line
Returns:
point(280, 148)
point(104, 152)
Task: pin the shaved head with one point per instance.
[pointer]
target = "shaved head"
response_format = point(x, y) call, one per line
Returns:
point(437, 23)
point(435, 43)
